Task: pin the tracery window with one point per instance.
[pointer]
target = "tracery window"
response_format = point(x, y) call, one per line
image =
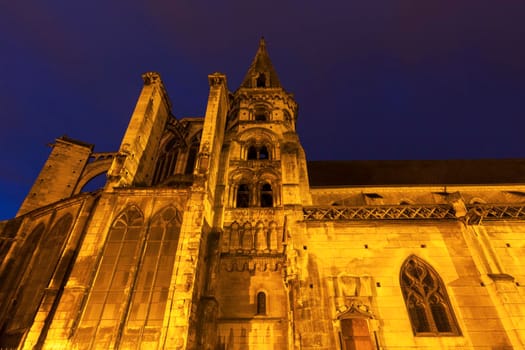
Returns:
point(261, 303)
point(426, 300)
point(109, 294)
point(166, 162)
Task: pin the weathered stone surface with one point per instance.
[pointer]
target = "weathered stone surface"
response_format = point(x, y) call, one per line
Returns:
point(207, 235)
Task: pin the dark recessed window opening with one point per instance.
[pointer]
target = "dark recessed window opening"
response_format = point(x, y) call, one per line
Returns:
point(263, 153)
point(252, 153)
point(261, 80)
point(261, 303)
point(266, 196)
point(243, 196)
point(192, 157)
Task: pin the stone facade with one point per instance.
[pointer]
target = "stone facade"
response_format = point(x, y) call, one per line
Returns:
point(211, 234)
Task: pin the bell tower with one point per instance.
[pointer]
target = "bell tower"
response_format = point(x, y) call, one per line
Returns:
point(262, 182)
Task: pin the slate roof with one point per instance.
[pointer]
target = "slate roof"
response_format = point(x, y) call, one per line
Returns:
point(415, 172)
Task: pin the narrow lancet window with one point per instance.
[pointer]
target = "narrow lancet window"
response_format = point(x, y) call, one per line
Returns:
point(192, 157)
point(261, 303)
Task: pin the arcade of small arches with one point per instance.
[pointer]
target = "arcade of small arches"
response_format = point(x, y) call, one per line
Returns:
point(247, 238)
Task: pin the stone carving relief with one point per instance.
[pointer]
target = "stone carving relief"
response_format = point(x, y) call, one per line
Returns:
point(259, 237)
point(251, 264)
point(352, 295)
point(150, 78)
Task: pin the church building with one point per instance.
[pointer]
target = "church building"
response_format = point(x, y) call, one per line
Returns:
point(216, 233)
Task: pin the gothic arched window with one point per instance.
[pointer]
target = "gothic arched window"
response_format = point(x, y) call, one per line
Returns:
point(166, 162)
point(266, 195)
point(109, 295)
point(261, 303)
point(426, 299)
point(243, 196)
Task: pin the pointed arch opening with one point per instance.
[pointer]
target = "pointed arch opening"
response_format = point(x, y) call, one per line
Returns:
point(426, 299)
point(166, 161)
point(108, 301)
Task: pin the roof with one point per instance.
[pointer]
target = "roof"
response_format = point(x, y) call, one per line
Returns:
point(415, 172)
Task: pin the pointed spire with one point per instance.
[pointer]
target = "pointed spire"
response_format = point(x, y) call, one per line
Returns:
point(261, 73)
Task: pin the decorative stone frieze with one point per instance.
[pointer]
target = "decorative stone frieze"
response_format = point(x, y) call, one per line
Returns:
point(497, 212)
point(380, 212)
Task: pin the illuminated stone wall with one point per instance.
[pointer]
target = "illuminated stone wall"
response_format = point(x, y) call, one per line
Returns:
point(208, 235)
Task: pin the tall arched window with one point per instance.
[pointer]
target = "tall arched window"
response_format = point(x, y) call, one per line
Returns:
point(266, 195)
point(243, 196)
point(43, 264)
point(152, 281)
point(426, 299)
point(192, 154)
point(261, 303)
point(110, 292)
point(166, 162)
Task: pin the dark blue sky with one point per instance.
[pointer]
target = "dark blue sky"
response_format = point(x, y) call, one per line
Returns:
point(383, 79)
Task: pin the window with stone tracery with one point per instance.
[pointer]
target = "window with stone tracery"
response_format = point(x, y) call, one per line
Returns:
point(166, 162)
point(426, 299)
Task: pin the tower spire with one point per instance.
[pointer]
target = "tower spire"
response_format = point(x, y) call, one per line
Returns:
point(261, 73)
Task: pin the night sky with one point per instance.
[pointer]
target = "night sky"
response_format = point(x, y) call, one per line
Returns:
point(378, 79)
